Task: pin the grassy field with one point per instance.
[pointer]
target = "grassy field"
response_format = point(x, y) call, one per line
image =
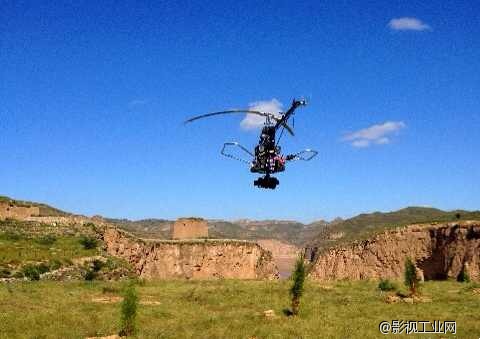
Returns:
point(226, 309)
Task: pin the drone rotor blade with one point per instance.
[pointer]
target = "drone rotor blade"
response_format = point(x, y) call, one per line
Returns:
point(233, 111)
point(288, 128)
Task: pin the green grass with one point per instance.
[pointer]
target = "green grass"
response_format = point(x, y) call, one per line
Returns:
point(226, 309)
point(20, 249)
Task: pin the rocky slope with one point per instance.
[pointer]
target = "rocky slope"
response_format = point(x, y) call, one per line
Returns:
point(192, 259)
point(441, 250)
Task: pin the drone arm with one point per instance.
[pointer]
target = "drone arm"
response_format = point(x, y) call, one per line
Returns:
point(305, 155)
point(227, 154)
point(289, 113)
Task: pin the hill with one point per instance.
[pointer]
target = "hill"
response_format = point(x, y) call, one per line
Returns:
point(145, 228)
point(292, 232)
point(45, 210)
point(365, 225)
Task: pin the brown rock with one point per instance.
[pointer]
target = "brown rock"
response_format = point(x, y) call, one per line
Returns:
point(191, 259)
point(269, 313)
point(439, 250)
point(392, 299)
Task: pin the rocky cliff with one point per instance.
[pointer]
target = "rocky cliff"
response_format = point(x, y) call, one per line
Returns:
point(196, 259)
point(284, 255)
point(440, 250)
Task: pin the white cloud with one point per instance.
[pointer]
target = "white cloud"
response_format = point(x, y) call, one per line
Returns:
point(379, 134)
point(408, 24)
point(252, 121)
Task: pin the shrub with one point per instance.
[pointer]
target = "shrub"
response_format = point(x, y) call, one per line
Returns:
point(90, 275)
point(46, 240)
point(129, 310)
point(463, 276)
point(88, 243)
point(386, 285)
point(11, 236)
point(5, 272)
point(55, 264)
point(109, 289)
point(18, 275)
point(296, 291)
point(43, 268)
point(411, 279)
point(91, 226)
point(31, 272)
point(97, 265)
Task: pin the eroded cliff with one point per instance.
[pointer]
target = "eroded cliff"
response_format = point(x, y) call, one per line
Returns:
point(440, 250)
point(192, 259)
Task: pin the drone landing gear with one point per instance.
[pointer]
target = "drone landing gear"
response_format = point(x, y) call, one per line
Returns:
point(266, 182)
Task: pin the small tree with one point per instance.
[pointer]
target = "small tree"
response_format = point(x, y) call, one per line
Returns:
point(296, 291)
point(464, 276)
point(31, 272)
point(88, 243)
point(411, 278)
point(129, 310)
point(386, 285)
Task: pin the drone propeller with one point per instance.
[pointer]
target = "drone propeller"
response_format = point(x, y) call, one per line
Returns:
point(234, 111)
point(288, 128)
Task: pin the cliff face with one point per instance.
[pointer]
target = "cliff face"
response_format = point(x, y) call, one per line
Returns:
point(440, 250)
point(279, 249)
point(196, 259)
point(284, 255)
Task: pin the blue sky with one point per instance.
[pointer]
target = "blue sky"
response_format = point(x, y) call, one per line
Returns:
point(92, 99)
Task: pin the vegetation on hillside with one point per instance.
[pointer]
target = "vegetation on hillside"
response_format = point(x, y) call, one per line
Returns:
point(30, 249)
point(364, 226)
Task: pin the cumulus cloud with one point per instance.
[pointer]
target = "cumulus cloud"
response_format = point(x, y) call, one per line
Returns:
point(252, 121)
point(379, 134)
point(408, 24)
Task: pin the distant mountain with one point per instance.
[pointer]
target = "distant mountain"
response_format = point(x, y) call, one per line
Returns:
point(292, 232)
point(318, 234)
point(145, 228)
point(365, 225)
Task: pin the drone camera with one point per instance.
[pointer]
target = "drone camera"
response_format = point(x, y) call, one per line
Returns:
point(266, 182)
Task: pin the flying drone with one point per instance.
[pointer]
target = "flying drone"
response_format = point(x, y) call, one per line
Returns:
point(267, 158)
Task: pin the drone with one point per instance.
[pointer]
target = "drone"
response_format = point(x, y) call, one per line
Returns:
point(267, 158)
